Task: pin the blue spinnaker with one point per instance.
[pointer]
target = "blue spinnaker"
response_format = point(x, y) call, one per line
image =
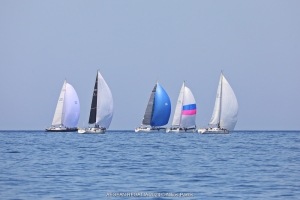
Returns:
point(162, 107)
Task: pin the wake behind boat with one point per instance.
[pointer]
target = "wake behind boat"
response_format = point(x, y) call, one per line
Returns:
point(225, 112)
point(67, 111)
point(185, 112)
point(158, 111)
point(102, 107)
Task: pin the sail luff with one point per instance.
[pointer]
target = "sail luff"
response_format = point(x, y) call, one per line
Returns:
point(149, 109)
point(58, 115)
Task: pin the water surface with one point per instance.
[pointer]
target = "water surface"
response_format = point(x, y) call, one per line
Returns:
point(240, 165)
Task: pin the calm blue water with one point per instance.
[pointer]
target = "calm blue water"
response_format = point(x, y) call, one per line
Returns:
point(241, 165)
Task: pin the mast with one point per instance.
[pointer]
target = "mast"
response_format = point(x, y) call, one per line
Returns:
point(220, 99)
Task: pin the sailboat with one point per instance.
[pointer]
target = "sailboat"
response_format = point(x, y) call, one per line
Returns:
point(102, 107)
point(67, 111)
point(158, 111)
point(225, 112)
point(185, 112)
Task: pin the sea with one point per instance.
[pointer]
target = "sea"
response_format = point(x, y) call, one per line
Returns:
point(129, 165)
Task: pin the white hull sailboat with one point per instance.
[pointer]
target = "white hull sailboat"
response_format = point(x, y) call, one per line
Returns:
point(157, 113)
point(181, 130)
point(212, 130)
point(185, 112)
point(102, 108)
point(225, 112)
point(91, 130)
point(150, 129)
point(67, 111)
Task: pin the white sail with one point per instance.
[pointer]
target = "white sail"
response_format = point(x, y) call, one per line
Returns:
point(226, 106)
point(178, 109)
point(185, 111)
point(105, 107)
point(71, 107)
point(229, 107)
point(216, 112)
point(188, 117)
point(59, 111)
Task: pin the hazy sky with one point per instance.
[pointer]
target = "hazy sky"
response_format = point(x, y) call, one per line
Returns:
point(135, 43)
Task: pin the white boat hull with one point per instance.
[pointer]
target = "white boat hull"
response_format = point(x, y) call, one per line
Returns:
point(150, 130)
point(91, 131)
point(213, 131)
point(181, 130)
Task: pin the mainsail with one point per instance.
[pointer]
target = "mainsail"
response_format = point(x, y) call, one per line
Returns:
point(178, 109)
point(67, 110)
point(93, 112)
point(185, 112)
point(58, 118)
point(226, 106)
point(149, 110)
point(102, 107)
point(158, 108)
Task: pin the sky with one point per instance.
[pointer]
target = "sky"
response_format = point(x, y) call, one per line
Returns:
point(136, 43)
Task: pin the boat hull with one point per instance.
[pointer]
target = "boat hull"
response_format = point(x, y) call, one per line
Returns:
point(213, 131)
point(92, 131)
point(61, 129)
point(150, 130)
point(181, 130)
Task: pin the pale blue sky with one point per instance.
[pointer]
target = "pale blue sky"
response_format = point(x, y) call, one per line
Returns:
point(134, 43)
